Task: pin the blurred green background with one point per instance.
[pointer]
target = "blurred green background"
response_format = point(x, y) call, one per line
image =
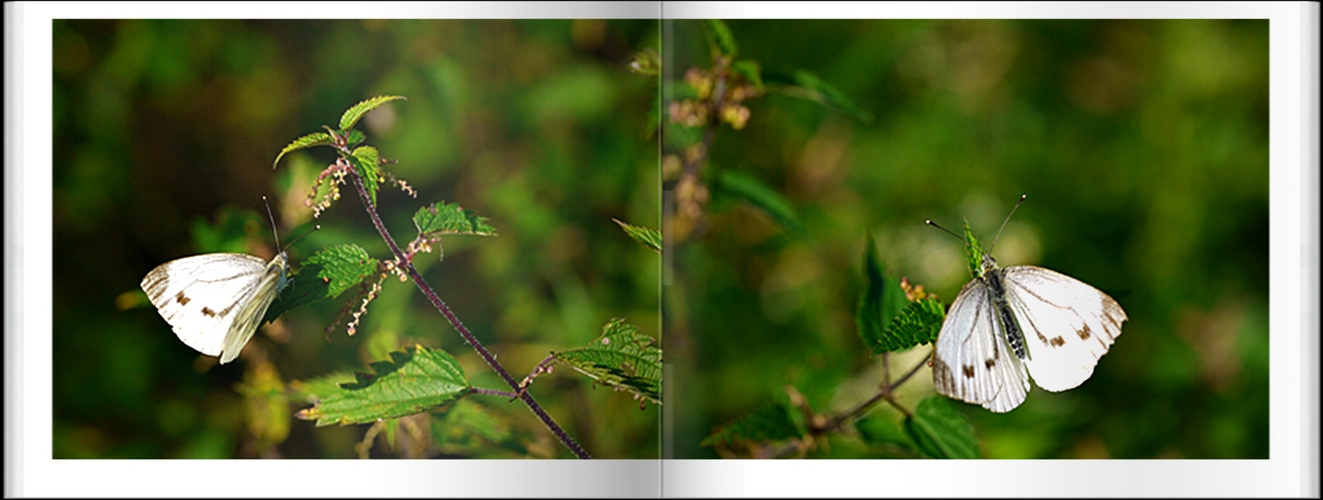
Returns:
point(1142, 146)
point(165, 132)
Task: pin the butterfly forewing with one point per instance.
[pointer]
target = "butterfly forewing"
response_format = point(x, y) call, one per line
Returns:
point(973, 361)
point(1067, 324)
point(254, 307)
point(201, 296)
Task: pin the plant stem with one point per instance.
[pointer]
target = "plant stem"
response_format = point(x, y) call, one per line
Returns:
point(494, 392)
point(454, 321)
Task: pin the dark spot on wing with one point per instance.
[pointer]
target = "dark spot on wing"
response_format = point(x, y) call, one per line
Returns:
point(990, 363)
point(207, 311)
point(1058, 341)
point(1084, 333)
point(183, 301)
point(969, 371)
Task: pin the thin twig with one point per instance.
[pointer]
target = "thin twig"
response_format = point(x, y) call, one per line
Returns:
point(454, 321)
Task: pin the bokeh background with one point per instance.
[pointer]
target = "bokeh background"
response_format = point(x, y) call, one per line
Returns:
point(165, 132)
point(1142, 146)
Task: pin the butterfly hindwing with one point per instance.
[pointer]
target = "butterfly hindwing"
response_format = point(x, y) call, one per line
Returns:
point(1067, 324)
point(201, 296)
point(973, 361)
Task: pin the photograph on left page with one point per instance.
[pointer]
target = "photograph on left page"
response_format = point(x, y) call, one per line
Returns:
point(356, 239)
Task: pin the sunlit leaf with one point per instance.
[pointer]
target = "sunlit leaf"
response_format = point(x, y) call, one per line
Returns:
point(352, 115)
point(620, 357)
point(450, 218)
point(650, 237)
point(412, 381)
point(367, 162)
point(307, 141)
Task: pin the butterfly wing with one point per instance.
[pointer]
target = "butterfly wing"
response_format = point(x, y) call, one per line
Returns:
point(973, 361)
point(1067, 324)
point(254, 307)
point(200, 296)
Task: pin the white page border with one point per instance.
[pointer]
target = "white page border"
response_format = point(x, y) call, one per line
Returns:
point(30, 471)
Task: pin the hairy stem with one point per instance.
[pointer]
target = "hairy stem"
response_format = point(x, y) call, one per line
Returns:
point(454, 321)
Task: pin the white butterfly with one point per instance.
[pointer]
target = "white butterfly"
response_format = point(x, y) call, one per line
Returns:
point(1009, 323)
point(215, 301)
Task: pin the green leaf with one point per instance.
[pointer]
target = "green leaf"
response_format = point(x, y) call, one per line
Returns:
point(411, 382)
point(720, 40)
point(650, 237)
point(469, 428)
point(354, 137)
point(307, 141)
point(804, 85)
point(750, 71)
point(449, 218)
point(940, 431)
point(917, 324)
point(622, 358)
point(325, 275)
point(306, 391)
point(775, 421)
point(351, 116)
point(752, 190)
point(878, 430)
point(882, 300)
point(367, 162)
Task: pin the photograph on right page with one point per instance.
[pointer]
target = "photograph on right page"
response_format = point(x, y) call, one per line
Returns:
point(966, 238)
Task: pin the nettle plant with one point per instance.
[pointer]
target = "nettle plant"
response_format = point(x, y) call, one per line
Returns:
point(892, 315)
point(418, 387)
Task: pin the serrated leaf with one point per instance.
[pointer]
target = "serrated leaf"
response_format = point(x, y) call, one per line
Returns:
point(775, 421)
point(940, 431)
point(450, 218)
point(752, 190)
point(307, 141)
point(808, 86)
point(352, 115)
point(306, 391)
point(622, 358)
point(720, 40)
point(367, 162)
point(325, 275)
point(354, 137)
point(917, 324)
point(413, 381)
point(650, 237)
point(882, 300)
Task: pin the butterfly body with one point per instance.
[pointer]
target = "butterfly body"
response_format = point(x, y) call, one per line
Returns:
point(1009, 323)
point(215, 302)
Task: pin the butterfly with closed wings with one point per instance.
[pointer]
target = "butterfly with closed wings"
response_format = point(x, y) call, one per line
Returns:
point(1009, 323)
point(215, 302)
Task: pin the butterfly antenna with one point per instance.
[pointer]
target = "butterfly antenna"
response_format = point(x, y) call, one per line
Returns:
point(948, 231)
point(1008, 219)
point(273, 220)
point(305, 233)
